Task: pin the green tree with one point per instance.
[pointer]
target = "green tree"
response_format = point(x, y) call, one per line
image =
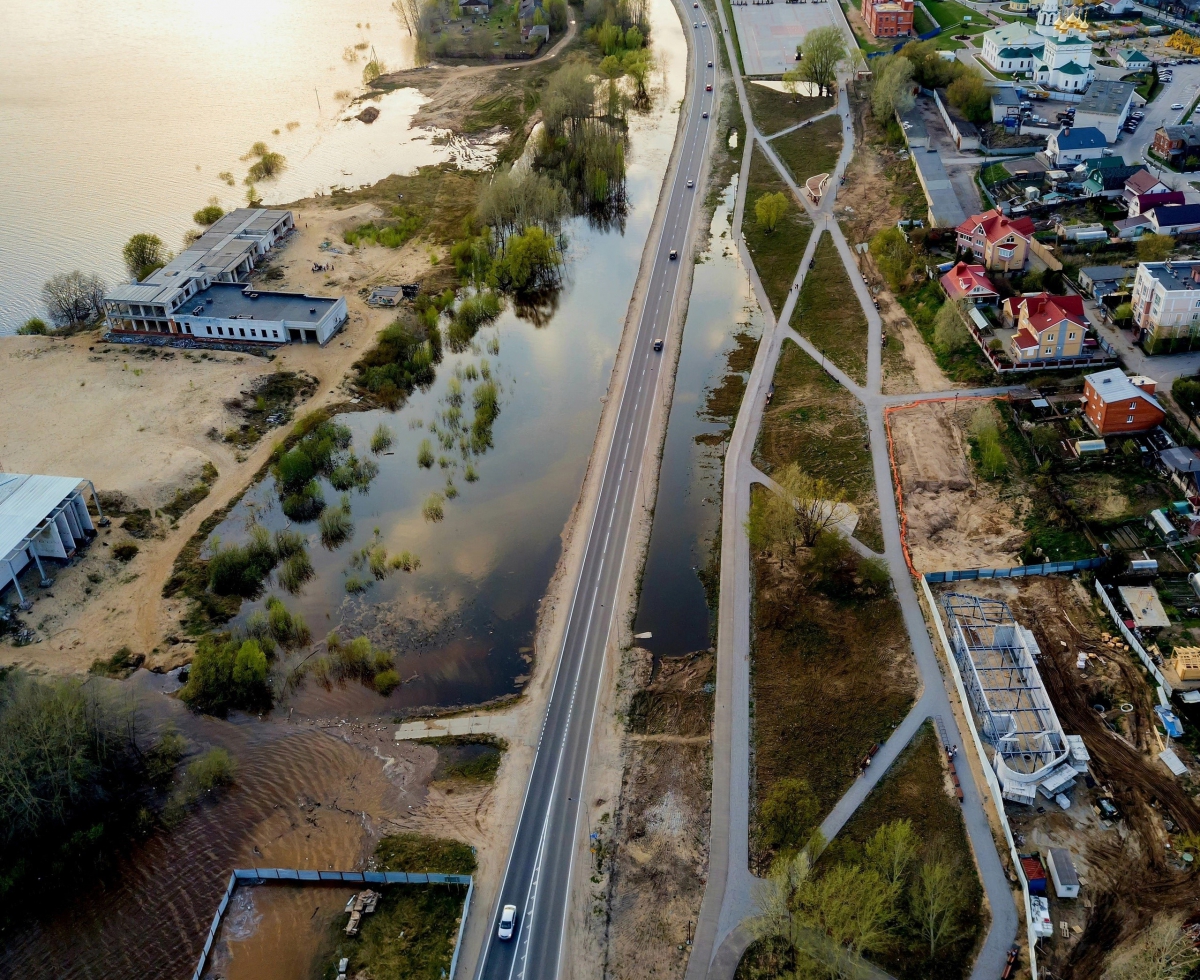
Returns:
point(789, 815)
point(1155, 248)
point(528, 262)
point(936, 903)
point(1164, 951)
point(891, 851)
point(893, 255)
point(633, 39)
point(855, 907)
point(950, 333)
point(143, 254)
point(892, 92)
point(250, 666)
point(930, 70)
point(1123, 313)
point(823, 50)
point(769, 210)
point(1186, 392)
point(558, 15)
point(971, 96)
point(638, 66)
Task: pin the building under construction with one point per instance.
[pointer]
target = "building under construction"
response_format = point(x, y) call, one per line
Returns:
point(997, 658)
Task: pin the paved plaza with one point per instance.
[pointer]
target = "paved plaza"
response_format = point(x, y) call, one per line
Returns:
point(770, 32)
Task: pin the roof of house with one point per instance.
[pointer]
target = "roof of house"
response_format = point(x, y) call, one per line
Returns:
point(1181, 214)
point(1045, 311)
point(1123, 223)
point(1106, 273)
point(1106, 98)
point(996, 226)
point(1184, 133)
point(1113, 386)
point(964, 280)
point(1142, 181)
point(1131, 54)
point(1147, 201)
point(1180, 459)
point(1080, 138)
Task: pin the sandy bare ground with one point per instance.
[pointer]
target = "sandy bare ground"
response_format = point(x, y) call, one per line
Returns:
point(139, 425)
point(954, 522)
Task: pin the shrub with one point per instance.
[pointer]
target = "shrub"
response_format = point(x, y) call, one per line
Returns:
point(335, 525)
point(425, 454)
point(432, 509)
point(306, 505)
point(470, 474)
point(227, 674)
point(355, 585)
point(214, 768)
point(240, 569)
point(406, 561)
point(120, 665)
point(209, 214)
point(419, 852)
point(950, 333)
point(286, 628)
point(294, 469)
point(986, 437)
point(295, 571)
point(33, 326)
point(126, 551)
point(381, 439)
point(386, 681)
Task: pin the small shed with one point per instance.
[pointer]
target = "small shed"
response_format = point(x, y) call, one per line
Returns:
point(1170, 721)
point(1063, 873)
point(1035, 874)
point(1187, 663)
point(384, 296)
point(1144, 606)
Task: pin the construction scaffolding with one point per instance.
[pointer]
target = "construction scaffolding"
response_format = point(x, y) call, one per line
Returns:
point(997, 657)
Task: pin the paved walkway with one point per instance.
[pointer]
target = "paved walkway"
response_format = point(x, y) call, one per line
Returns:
point(733, 896)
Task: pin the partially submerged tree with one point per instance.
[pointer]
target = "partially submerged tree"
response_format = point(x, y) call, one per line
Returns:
point(143, 254)
point(823, 50)
point(74, 297)
point(769, 210)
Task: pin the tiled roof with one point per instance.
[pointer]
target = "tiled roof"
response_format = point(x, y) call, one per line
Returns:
point(1045, 311)
point(996, 226)
point(963, 279)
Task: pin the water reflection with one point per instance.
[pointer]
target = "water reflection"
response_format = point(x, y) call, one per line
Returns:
point(719, 340)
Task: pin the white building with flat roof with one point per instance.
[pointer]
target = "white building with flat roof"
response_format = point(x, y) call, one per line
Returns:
point(41, 517)
point(227, 252)
point(229, 312)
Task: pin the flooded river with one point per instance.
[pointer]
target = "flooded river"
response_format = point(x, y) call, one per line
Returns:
point(117, 117)
point(462, 622)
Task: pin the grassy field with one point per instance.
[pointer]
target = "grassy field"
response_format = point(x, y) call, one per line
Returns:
point(774, 111)
point(776, 254)
point(915, 789)
point(832, 673)
point(829, 314)
point(410, 935)
point(811, 149)
point(815, 422)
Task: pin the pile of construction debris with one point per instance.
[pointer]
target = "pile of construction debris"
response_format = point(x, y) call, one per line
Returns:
point(359, 905)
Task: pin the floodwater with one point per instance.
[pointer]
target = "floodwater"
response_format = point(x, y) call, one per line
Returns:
point(460, 624)
point(117, 116)
point(719, 339)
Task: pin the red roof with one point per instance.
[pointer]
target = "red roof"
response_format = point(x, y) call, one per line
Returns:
point(1141, 182)
point(1147, 201)
point(960, 281)
point(995, 226)
point(1046, 311)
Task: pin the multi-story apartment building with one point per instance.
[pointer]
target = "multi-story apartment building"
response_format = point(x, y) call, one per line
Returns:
point(1166, 305)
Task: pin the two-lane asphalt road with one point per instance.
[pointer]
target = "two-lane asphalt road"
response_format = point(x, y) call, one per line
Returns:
point(537, 878)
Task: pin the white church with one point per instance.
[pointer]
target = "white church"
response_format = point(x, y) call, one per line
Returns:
point(1057, 51)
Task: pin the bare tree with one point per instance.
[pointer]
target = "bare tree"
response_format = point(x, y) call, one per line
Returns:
point(74, 297)
point(1162, 952)
point(406, 11)
point(817, 502)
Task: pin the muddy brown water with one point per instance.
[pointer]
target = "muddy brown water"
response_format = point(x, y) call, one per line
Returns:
point(461, 626)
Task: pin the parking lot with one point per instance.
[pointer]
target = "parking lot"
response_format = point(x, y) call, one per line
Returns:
point(770, 32)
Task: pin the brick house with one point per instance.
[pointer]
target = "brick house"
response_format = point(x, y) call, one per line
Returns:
point(1176, 144)
point(997, 241)
point(1048, 327)
point(1117, 405)
point(888, 18)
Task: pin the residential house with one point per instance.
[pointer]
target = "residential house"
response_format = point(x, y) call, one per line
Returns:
point(385, 295)
point(1182, 467)
point(1116, 405)
point(1100, 280)
point(1107, 177)
point(476, 8)
point(1048, 327)
point(1135, 227)
point(1166, 304)
point(1144, 202)
point(969, 283)
point(1075, 144)
point(1105, 106)
point(527, 11)
point(536, 30)
point(998, 241)
point(888, 18)
point(1133, 59)
point(1175, 220)
point(1143, 182)
point(1177, 144)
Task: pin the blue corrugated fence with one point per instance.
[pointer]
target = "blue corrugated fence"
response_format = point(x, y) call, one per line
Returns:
point(1020, 571)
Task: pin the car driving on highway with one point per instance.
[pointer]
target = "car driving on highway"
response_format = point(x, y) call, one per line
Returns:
point(508, 922)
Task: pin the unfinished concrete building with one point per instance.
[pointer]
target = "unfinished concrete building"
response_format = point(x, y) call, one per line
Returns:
point(997, 658)
point(41, 517)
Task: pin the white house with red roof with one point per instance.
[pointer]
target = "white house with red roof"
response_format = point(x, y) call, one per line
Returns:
point(969, 283)
point(998, 241)
point(1048, 327)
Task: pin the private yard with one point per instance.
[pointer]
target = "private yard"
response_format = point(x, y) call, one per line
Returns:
point(776, 253)
point(489, 38)
point(917, 788)
point(829, 315)
point(811, 149)
point(964, 363)
point(831, 674)
point(816, 423)
point(774, 111)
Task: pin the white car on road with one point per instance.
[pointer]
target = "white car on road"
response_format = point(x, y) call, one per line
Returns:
point(508, 922)
point(1177, 106)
